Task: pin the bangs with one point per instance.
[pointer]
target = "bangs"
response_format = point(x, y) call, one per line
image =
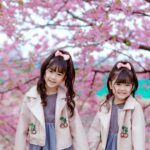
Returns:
point(58, 65)
point(124, 77)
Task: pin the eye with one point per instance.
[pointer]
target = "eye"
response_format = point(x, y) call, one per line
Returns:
point(59, 74)
point(118, 83)
point(50, 70)
point(128, 84)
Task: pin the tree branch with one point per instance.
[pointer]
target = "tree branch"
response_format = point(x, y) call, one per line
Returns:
point(141, 13)
point(128, 42)
point(137, 12)
point(17, 87)
point(147, 106)
point(107, 71)
point(81, 19)
point(144, 47)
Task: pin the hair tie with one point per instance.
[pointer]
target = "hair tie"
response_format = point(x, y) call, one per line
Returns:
point(127, 65)
point(65, 56)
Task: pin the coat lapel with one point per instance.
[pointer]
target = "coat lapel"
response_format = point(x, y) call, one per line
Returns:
point(129, 105)
point(36, 108)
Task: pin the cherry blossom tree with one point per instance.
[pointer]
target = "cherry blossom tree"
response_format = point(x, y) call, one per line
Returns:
point(89, 29)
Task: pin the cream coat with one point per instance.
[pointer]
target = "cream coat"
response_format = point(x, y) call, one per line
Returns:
point(130, 116)
point(32, 112)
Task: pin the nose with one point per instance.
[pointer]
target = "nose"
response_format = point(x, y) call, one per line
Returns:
point(53, 75)
point(122, 87)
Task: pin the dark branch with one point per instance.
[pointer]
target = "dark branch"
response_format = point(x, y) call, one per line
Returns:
point(81, 19)
point(147, 48)
point(147, 106)
point(128, 42)
point(141, 13)
point(107, 71)
point(147, 1)
point(137, 12)
point(18, 86)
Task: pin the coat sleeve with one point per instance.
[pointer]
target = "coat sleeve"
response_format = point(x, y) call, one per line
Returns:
point(22, 128)
point(138, 128)
point(94, 134)
point(79, 137)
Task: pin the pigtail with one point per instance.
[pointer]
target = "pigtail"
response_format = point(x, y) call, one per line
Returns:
point(69, 82)
point(135, 84)
point(42, 91)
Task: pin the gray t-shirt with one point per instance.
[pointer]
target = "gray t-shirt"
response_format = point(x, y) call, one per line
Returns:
point(49, 109)
point(114, 117)
point(113, 129)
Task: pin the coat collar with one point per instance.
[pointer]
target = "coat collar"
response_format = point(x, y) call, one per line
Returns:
point(32, 93)
point(130, 103)
point(35, 106)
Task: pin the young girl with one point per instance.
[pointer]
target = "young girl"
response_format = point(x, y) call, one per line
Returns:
point(119, 123)
point(48, 118)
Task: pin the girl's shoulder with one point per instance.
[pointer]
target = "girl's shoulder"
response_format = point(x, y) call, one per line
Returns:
point(102, 100)
point(132, 103)
point(31, 94)
point(32, 91)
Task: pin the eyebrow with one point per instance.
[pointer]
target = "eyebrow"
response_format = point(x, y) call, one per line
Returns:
point(56, 70)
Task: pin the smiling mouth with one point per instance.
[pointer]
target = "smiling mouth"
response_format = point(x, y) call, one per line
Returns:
point(122, 93)
point(51, 81)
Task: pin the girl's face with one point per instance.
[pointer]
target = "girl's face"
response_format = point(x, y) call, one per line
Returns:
point(120, 90)
point(53, 78)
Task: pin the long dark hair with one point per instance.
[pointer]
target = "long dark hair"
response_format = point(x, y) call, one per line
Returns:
point(63, 66)
point(123, 75)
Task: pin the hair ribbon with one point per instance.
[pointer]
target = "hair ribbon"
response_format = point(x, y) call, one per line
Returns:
point(127, 65)
point(65, 56)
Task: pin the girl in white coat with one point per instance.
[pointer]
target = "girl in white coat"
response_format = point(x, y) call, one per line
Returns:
point(48, 118)
point(119, 123)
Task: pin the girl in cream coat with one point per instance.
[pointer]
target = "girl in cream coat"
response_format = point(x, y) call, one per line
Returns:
point(67, 132)
point(119, 124)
